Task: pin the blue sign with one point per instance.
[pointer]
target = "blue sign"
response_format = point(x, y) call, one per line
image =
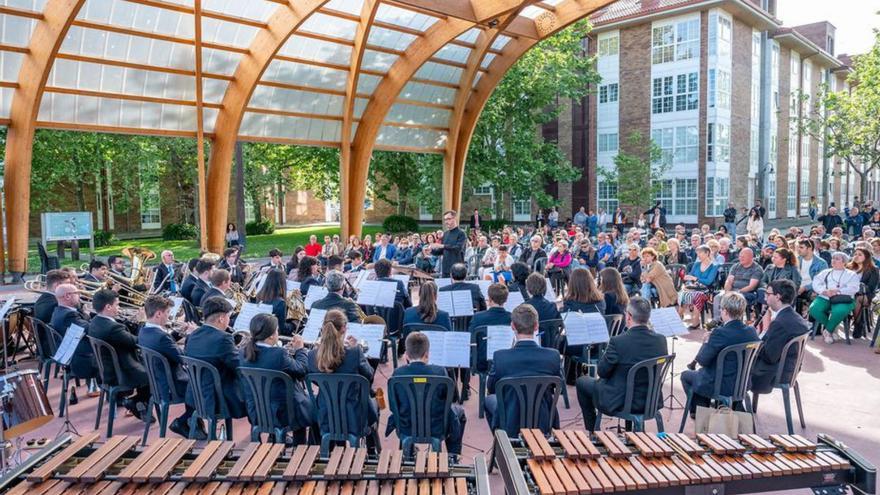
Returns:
point(66, 226)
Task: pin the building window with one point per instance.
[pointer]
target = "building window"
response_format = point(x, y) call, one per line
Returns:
point(664, 195)
point(662, 95)
point(484, 190)
point(151, 210)
point(609, 46)
point(663, 44)
point(679, 145)
point(685, 197)
point(792, 195)
point(718, 139)
point(717, 194)
point(608, 142)
point(719, 88)
point(679, 41)
point(680, 96)
point(522, 210)
point(686, 96)
point(607, 196)
point(771, 196)
point(719, 36)
point(608, 93)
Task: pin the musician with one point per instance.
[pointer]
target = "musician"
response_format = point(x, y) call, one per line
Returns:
point(453, 243)
point(786, 325)
point(334, 299)
point(275, 261)
point(97, 272)
point(45, 304)
point(83, 364)
point(117, 265)
point(230, 262)
point(338, 353)
point(427, 312)
point(732, 332)
point(189, 282)
point(525, 358)
point(383, 274)
point(384, 250)
point(357, 262)
point(274, 293)
point(202, 284)
point(220, 284)
point(210, 342)
point(536, 286)
point(459, 274)
point(417, 354)
point(104, 327)
point(153, 336)
point(307, 274)
point(261, 351)
point(606, 393)
point(494, 315)
point(167, 274)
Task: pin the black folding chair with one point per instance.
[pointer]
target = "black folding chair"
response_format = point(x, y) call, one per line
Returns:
point(675, 270)
point(104, 350)
point(529, 393)
point(745, 355)
point(47, 340)
point(47, 261)
point(587, 358)
point(198, 370)
point(656, 370)
point(161, 398)
point(333, 390)
point(393, 326)
point(785, 384)
point(259, 382)
point(418, 395)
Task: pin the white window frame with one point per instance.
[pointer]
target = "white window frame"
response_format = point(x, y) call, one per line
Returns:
point(521, 214)
point(483, 190)
point(606, 195)
point(150, 205)
point(719, 88)
point(609, 46)
point(679, 145)
point(675, 93)
point(676, 41)
point(718, 143)
point(607, 142)
point(609, 93)
point(717, 195)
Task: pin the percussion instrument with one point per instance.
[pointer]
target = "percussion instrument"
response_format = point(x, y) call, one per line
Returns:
point(574, 462)
point(174, 466)
point(25, 406)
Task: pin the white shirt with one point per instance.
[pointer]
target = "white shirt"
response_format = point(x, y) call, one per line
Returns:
point(846, 281)
point(805, 265)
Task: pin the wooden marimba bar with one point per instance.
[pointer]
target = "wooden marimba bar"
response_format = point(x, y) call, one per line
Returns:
point(172, 466)
point(573, 462)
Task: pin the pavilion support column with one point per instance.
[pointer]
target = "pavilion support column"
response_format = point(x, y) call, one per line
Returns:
point(17, 188)
point(219, 178)
point(353, 189)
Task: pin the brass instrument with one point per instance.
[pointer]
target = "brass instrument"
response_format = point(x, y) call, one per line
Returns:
point(88, 289)
point(138, 256)
point(296, 308)
point(37, 284)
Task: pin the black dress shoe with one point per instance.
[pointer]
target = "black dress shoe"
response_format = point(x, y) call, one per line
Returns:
point(465, 394)
point(179, 427)
point(72, 399)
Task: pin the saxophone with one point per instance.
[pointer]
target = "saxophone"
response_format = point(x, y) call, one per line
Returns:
point(296, 308)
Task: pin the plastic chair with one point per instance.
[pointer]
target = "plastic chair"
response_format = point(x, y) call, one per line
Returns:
point(539, 264)
point(393, 326)
point(47, 340)
point(196, 369)
point(191, 312)
point(480, 363)
point(420, 392)
point(529, 393)
point(405, 330)
point(745, 355)
point(161, 398)
point(656, 369)
point(799, 343)
point(259, 382)
point(104, 350)
point(335, 388)
point(615, 328)
point(847, 327)
point(47, 261)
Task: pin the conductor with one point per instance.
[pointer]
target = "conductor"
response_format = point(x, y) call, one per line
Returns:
point(453, 243)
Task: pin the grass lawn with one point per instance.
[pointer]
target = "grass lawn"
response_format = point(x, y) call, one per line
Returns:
point(257, 246)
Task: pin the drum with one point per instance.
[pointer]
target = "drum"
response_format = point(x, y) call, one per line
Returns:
point(23, 403)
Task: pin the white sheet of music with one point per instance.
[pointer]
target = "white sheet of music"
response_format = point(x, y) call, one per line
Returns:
point(450, 349)
point(498, 337)
point(514, 299)
point(292, 284)
point(5, 309)
point(178, 303)
point(585, 328)
point(72, 337)
point(312, 330)
point(456, 302)
point(261, 279)
point(442, 282)
point(247, 313)
point(232, 302)
point(371, 334)
point(316, 293)
point(666, 322)
point(484, 287)
point(363, 276)
point(403, 278)
point(550, 295)
point(375, 293)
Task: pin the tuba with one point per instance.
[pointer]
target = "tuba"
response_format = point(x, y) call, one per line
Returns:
point(296, 308)
point(138, 256)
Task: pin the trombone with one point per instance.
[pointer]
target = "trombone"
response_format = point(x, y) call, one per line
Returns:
point(134, 300)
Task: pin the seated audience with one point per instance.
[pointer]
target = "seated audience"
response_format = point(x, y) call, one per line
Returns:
point(835, 290)
point(656, 280)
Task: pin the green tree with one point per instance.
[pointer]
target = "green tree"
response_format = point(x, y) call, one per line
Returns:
point(638, 171)
point(507, 150)
point(406, 179)
point(847, 121)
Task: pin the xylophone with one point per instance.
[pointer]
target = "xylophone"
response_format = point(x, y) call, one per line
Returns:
point(173, 466)
point(571, 462)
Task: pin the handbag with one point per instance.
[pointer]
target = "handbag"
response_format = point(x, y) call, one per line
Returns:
point(840, 299)
point(723, 420)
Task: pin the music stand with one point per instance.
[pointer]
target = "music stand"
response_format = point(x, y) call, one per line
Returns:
point(63, 356)
point(667, 322)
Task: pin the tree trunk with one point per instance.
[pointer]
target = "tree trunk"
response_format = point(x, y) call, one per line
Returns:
point(240, 215)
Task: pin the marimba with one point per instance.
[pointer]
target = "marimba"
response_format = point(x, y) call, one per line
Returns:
point(174, 466)
point(574, 462)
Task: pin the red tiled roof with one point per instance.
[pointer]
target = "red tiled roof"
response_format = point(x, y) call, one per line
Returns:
point(629, 9)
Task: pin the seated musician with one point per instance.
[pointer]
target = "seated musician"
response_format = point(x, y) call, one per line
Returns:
point(417, 356)
point(189, 282)
point(336, 263)
point(338, 353)
point(785, 326)
point(275, 260)
point(117, 265)
point(334, 299)
point(153, 336)
point(212, 343)
point(383, 274)
point(45, 304)
point(732, 332)
point(307, 274)
point(427, 311)
point(204, 269)
point(607, 393)
point(274, 293)
point(519, 272)
point(357, 262)
point(220, 284)
point(167, 274)
point(525, 358)
point(458, 273)
point(536, 285)
point(230, 262)
point(104, 327)
point(260, 351)
point(83, 364)
point(97, 272)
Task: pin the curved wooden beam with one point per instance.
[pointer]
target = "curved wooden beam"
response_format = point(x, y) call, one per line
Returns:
point(44, 44)
point(548, 24)
point(265, 45)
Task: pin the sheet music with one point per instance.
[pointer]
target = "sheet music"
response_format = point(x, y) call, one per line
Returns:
point(514, 299)
point(5, 309)
point(442, 282)
point(371, 334)
point(66, 349)
point(363, 276)
point(312, 330)
point(292, 284)
point(498, 337)
point(261, 279)
point(316, 293)
point(550, 295)
point(585, 328)
point(456, 302)
point(403, 278)
point(178, 303)
point(449, 349)
point(484, 287)
point(232, 302)
point(376, 293)
point(247, 313)
point(666, 322)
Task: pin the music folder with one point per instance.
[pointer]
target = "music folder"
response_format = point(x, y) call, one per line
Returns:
point(247, 313)
point(312, 331)
point(449, 349)
point(456, 302)
point(514, 299)
point(666, 322)
point(371, 334)
point(498, 337)
point(585, 328)
point(67, 348)
point(316, 293)
point(376, 293)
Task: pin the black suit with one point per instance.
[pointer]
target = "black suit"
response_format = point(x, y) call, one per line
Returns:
point(211, 292)
point(44, 306)
point(163, 282)
point(454, 243)
point(125, 345)
point(308, 282)
point(786, 326)
point(186, 288)
point(235, 273)
point(546, 309)
point(355, 363)
point(609, 391)
point(198, 292)
point(476, 295)
point(156, 339)
point(493, 316)
point(335, 301)
point(277, 359)
point(476, 221)
point(83, 364)
point(215, 346)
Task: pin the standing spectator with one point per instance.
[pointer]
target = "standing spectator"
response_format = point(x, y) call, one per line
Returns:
point(593, 223)
point(755, 225)
point(580, 218)
point(476, 221)
point(835, 289)
point(813, 208)
point(604, 218)
point(830, 219)
point(232, 237)
point(553, 218)
point(759, 209)
point(730, 219)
